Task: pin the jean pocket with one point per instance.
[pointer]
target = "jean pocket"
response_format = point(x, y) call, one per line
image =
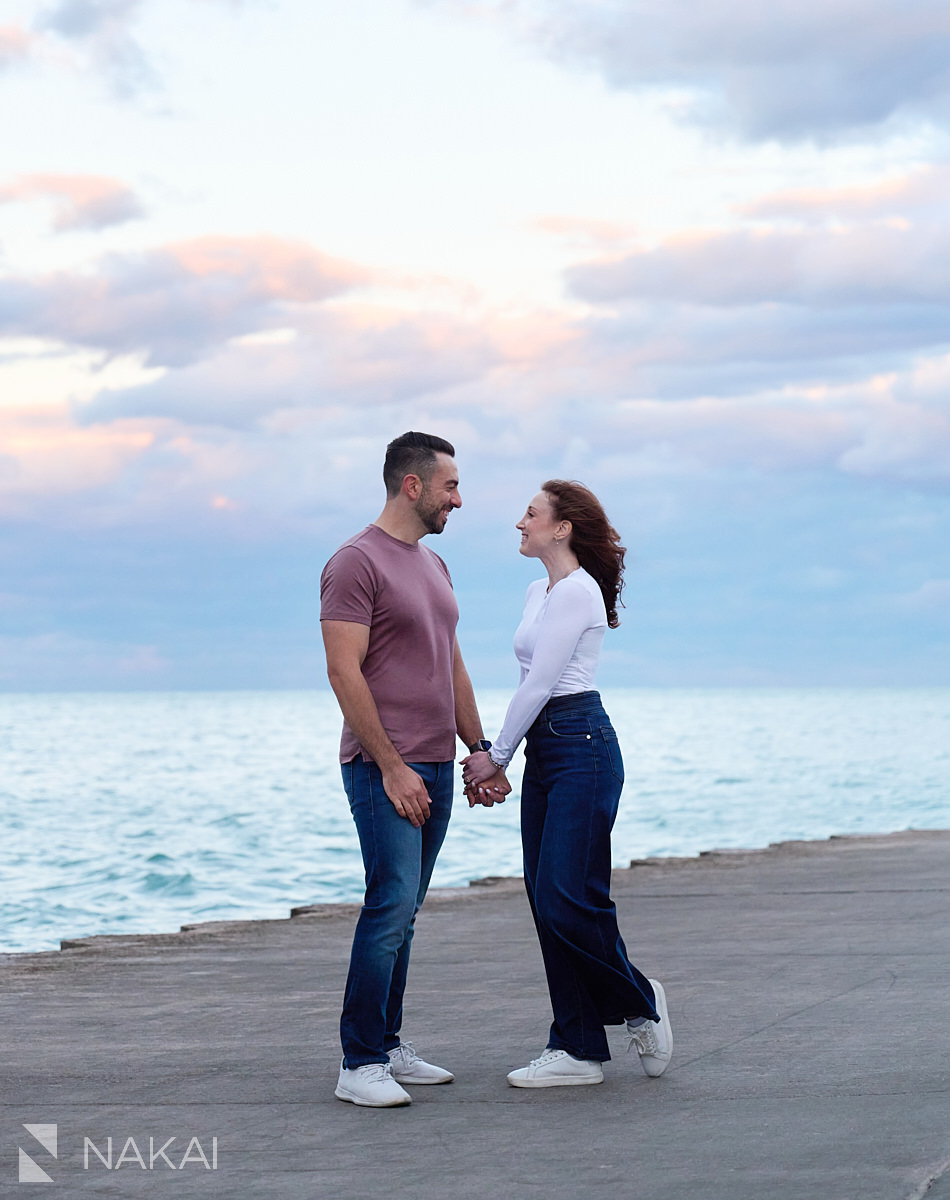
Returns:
point(614, 757)
point(571, 726)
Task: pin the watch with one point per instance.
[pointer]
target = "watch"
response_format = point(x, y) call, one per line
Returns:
point(481, 744)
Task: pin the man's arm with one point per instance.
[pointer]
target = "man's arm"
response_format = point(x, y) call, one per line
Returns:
point(467, 721)
point(346, 643)
point(469, 726)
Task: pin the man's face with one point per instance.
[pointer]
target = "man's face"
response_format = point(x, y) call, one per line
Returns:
point(440, 495)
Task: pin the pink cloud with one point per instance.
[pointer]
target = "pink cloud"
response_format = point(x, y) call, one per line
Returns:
point(259, 436)
point(355, 358)
point(265, 266)
point(176, 302)
point(15, 45)
point(81, 201)
point(49, 459)
point(586, 232)
point(898, 196)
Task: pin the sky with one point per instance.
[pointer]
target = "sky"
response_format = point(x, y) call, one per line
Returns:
point(694, 254)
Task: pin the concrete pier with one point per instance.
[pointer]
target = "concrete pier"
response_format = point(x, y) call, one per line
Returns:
point(809, 999)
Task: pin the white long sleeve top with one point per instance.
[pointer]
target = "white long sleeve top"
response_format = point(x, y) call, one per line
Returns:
point(558, 646)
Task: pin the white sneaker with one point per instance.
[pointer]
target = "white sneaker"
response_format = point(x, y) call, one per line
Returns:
point(372, 1086)
point(654, 1042)
point(408, 1067)
point(556, 1068)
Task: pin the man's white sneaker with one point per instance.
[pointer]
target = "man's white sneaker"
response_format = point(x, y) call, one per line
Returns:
point(556, 1068)
point(408, 1067)
point(372, 1086)
point(653, 1042)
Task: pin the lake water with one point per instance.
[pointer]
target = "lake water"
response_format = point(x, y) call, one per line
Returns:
point(141, 812)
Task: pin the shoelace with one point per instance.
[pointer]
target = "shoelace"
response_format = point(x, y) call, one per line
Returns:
point(643, 1038)
point(377, 1072)
point(546, 1057)
point(407, 1053)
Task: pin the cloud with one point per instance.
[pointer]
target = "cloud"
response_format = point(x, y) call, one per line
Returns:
point(594, 397)
point(338, 360)
point(931, 598)
point(81, 201)
point(679, 352)
point(61, 660)
point(765, 349)
point(49, 461)
point(587, 234)
point(175, 536)
point(866, 266)
point(101, 31)
point(906, 436)
point(175, 303)
point(786, 71)
point(923, 194)
point(890, 428)
point(15, 45)
point(820, 285)
point(88, 18)
point(99, 37)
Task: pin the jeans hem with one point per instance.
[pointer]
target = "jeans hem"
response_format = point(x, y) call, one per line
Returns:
point(601, 1058)
point(365, 1063)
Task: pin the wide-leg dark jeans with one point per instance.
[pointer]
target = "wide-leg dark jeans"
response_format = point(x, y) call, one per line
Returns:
point(572, 783)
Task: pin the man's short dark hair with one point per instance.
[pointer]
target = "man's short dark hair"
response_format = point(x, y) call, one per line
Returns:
point(412, 454)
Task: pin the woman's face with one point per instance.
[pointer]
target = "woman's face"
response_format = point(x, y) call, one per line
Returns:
point(537, 526)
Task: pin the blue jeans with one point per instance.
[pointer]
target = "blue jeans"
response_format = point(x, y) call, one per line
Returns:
point(572, 783)
point(398, 859)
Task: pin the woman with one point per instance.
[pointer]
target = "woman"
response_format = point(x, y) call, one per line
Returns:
point(572, 782)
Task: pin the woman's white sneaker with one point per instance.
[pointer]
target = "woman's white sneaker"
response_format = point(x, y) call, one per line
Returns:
point(653, 1042)
point(372, 1086)
point(556, 1068)
point(408, 1067)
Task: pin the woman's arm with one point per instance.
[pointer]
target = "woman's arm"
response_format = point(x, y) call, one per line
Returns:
point(567, 616)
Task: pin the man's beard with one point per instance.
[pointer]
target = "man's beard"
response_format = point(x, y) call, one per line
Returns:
point(431, 515)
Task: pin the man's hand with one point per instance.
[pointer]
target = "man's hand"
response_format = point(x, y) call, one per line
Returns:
point(407, 793)
point(478, 768)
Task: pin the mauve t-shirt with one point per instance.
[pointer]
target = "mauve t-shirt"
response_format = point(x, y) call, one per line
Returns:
point(404, 594)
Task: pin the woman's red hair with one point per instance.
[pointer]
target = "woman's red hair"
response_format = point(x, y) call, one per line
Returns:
point(593, 539)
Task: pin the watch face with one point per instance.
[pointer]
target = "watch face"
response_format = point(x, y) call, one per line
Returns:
point(481, 744)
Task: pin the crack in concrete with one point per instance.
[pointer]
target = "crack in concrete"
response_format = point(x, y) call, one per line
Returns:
point(887, 976)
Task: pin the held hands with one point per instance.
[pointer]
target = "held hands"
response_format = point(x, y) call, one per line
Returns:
point(492, 791)
point(485, 783)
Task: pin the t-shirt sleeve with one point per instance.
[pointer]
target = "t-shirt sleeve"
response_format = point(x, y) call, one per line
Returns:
point(348, 587)
point(441, 562)
point(568, 615)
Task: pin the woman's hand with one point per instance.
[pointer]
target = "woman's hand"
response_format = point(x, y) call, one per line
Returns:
point(485, 783)
point(493, 791)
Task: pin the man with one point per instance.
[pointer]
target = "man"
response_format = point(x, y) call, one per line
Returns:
point(388, 615)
